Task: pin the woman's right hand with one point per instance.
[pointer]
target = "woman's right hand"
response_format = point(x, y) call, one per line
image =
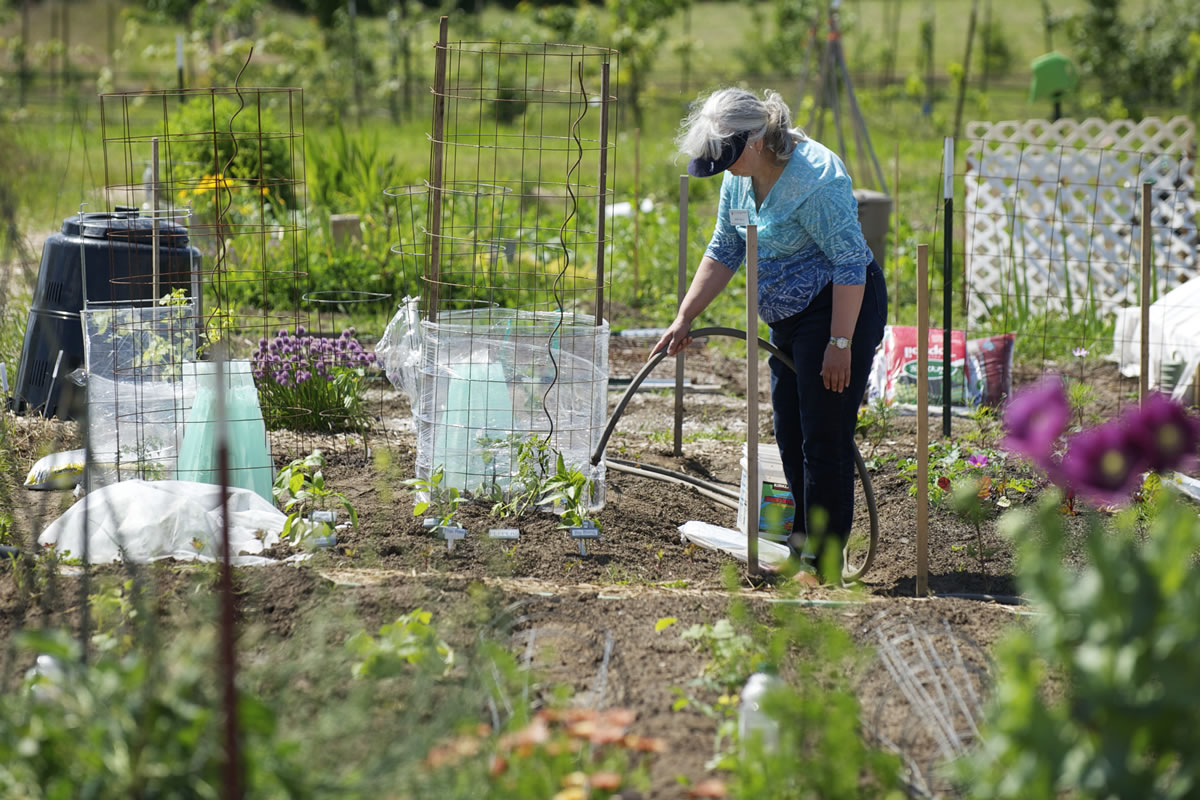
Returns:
point(675, 339)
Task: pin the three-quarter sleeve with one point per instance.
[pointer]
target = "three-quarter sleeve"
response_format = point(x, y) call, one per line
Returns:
point(726, 245)
point(830, 215)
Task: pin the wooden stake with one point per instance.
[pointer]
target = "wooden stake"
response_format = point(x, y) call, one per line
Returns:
point(433, 272)
point(603, 184)
point(896, 227)
point(753, 487)
point(1147, 258)
point(682, 288)
point(637, 210)
point(922, 420)
point(966, 65)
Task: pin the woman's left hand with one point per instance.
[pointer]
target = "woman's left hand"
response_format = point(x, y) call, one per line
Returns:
point(835, 370)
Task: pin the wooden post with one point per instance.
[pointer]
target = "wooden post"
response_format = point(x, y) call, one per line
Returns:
point(753, 486)
point(433, 270)
point(1144, 292)
point(962, 87)
point(637, 210)
point(679, 293)
point(895, 298)
point(603, 186)
point(922, 420)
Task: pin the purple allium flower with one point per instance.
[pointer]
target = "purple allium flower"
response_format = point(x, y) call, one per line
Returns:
point(300, 330)
point(1166, 432)
point(1034, 419)
point(282, 333)
point(346, 334)
point(977, 460)
point(262, 343)
point(1080, 352)
point(1104, 463)
point(273, 346)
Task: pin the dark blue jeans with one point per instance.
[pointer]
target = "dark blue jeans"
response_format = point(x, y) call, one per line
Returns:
point(815, 426)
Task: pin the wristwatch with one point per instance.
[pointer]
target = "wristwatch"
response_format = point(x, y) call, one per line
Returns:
point(840, 342)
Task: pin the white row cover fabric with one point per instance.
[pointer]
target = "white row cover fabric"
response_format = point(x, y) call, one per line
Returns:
point(146, 521)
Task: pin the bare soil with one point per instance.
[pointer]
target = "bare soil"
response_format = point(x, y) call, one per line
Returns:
point(638, 571)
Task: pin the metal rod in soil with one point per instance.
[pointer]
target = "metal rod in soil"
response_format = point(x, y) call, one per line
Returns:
point(1144, 293)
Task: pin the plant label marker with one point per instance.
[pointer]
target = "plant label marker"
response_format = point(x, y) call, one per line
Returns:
point(452, 535)
point(329, 517)
point(504, 533)
point(739, 216)
point(581, 534)
point(429, 523)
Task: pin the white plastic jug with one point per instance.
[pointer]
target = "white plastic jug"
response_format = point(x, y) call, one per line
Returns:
point(752, 719)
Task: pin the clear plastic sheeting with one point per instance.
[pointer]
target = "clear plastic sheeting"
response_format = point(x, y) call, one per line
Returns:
point(399, 349)
point(141, 521)
point(138, 388)
point(492, 379)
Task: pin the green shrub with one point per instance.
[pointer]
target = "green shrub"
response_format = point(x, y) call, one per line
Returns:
point(224, 150)
point(145, 723)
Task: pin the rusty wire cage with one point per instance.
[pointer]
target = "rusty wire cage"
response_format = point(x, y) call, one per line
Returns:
point(513, 241)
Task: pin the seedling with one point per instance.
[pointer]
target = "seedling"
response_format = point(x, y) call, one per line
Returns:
point(300, 487)
point(504, 533)
point(587, 530)
point(442, 501)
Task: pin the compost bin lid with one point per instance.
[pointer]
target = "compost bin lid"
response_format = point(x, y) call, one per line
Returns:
point(124, 224)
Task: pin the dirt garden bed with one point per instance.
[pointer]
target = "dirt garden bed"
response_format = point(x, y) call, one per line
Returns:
point(598, 609)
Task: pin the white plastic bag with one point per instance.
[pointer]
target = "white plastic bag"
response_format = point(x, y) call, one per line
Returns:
point(714, 537)
point(399, 349)
point(144, 521)
point(60, 470)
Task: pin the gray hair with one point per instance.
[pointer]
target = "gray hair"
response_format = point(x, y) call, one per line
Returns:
point(727, 112)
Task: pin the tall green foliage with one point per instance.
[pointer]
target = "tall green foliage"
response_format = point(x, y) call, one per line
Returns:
point(1120, 642)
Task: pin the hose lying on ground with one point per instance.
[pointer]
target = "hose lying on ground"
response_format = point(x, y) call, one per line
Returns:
point(677, 477)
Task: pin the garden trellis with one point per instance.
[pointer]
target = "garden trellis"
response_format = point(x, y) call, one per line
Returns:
point(223, 169)
point(1053, 227)
point(511, 245)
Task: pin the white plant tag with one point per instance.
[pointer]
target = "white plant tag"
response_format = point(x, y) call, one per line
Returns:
point(739, 216)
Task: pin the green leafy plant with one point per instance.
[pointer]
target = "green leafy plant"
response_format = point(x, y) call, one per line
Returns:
point(570, 489)
point(409, 641)
point(433, 498)
point(142, 723)
point(324, 377)
point(300, 489)
point(820, 753)
point(1122, 637)
point(876, 422)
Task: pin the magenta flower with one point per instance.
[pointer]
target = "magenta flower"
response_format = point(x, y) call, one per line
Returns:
point(1105, 462)
point(1035, 418)
point(1166, 432)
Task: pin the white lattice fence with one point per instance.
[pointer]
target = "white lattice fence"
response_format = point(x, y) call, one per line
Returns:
point(1052, 212)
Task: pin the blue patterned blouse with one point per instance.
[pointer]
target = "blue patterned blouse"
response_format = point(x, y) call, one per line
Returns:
point(808, 231)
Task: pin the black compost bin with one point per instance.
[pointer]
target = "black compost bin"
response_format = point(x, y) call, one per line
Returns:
point(115, 251)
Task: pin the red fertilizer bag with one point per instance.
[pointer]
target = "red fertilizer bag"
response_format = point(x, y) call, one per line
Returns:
point(980, 369)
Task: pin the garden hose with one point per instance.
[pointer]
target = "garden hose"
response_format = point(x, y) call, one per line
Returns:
point(850, 573)
point(703, 488)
